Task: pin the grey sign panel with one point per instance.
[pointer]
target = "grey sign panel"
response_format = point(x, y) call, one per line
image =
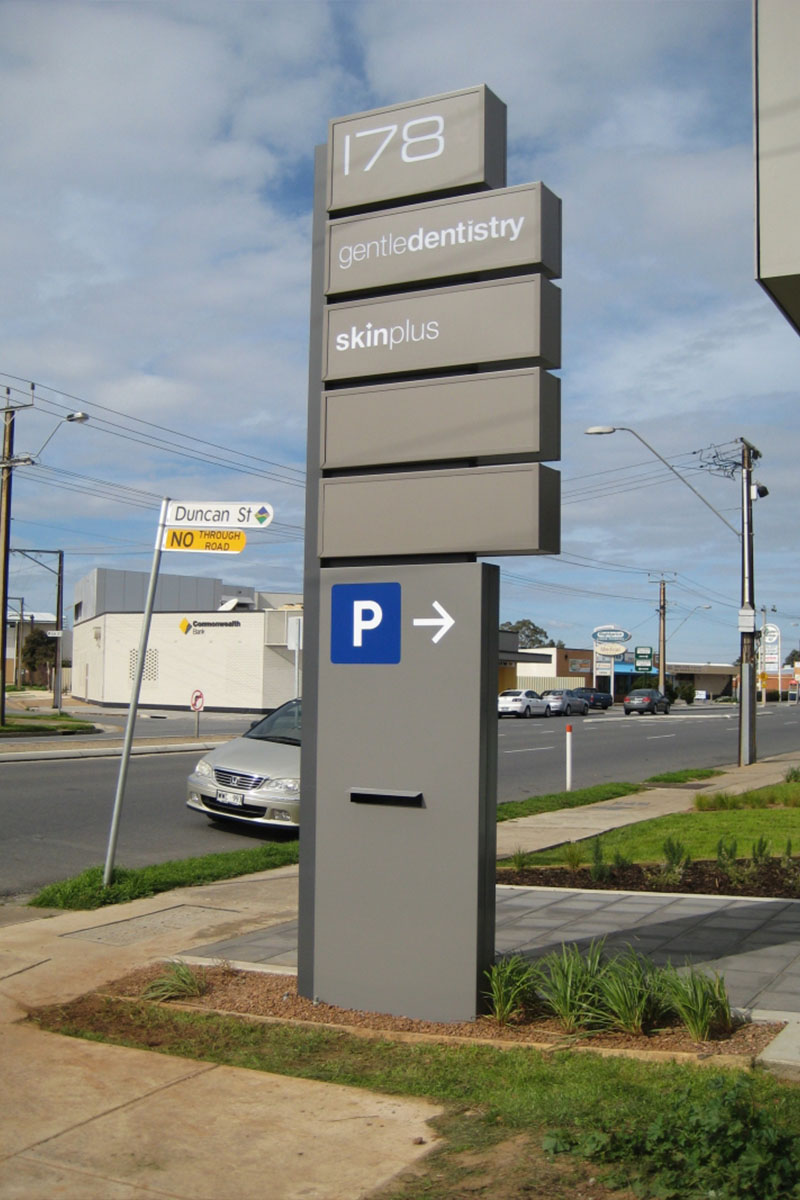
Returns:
point(404, 892)
point(511, 509)
point(499, 230)
point(504, 321)
point(442, 143)
point(507, 415)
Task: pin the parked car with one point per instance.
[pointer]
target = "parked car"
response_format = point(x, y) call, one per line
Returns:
point(515, 702)
point(645, 700)
point(595, 698)
point(566, 701)
point(254, 778)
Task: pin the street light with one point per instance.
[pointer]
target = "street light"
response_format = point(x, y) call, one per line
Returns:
point(697, 608)
point(747, 612)
point(7, 464)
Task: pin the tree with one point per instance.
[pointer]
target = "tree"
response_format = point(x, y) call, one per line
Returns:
point(530, 634)
point(38, 651)
point(791, 658)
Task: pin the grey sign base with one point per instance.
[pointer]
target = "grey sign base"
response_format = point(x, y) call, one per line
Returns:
point(402, 914)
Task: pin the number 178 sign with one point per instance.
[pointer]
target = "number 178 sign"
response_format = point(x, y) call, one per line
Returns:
point(441, 144)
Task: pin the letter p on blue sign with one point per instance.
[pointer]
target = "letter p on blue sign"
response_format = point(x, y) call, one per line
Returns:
point(365, 622)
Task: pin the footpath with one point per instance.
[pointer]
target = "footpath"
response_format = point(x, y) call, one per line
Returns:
point(87, 1121)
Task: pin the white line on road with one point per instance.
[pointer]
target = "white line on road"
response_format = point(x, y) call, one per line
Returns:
point(660, 737)
point(529, 750)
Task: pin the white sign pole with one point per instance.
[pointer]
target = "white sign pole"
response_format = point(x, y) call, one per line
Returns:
point(137, 686)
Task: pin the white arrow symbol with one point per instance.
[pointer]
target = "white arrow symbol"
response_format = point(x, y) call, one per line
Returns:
point(444, 621)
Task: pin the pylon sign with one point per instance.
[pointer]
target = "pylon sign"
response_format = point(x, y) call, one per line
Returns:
point(432, 414)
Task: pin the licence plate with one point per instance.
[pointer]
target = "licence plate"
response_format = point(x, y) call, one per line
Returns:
point(235, 799)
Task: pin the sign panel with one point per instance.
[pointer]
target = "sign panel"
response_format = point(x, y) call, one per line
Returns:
point(205, 541)
point(442, 143)
point(476, 510)
point(365, 623)
point(508, 415)
point(610, 649)
point(610, 633)
point(423, 805)
point(502, 321)
point(219, 514)
point(643, 656)
point(500, 230)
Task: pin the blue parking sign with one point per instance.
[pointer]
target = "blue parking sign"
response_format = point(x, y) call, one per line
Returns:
point(365, 623)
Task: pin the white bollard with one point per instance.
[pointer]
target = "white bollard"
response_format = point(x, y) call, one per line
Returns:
point(569, 758)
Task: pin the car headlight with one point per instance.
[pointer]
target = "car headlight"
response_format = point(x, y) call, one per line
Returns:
point(203, 768)
point(290, 787)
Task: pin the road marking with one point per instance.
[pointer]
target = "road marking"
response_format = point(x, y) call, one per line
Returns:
point(529, 750)
point(660, 737)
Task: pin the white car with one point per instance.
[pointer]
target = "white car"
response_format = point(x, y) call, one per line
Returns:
point(256, 777)
point(516, 702)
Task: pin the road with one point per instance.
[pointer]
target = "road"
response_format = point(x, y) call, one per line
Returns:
point(56, 813)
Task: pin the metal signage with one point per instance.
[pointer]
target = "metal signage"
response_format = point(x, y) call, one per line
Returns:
point(500, 321)
point(442, 143)
point(505, 415)
point(643, 656)
point(610, 649)
point(434, 324)
point(423, 809)
point(483, 510)
point(205, 541)
point(498, 230)
point(610, 633)
point(219, 514)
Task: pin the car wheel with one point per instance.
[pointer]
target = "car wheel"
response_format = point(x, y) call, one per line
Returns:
point(568, 711)
point(666, 710)
point(547, 712)
point(527, 712)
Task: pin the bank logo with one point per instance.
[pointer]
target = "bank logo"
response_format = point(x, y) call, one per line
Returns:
point(185, 626)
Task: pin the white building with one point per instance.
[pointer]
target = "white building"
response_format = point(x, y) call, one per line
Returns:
point(233, 644)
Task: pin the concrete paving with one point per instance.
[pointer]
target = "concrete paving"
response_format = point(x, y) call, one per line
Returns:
point(91, 1122)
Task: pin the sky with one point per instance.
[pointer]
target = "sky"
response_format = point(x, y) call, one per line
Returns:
point(156, 176)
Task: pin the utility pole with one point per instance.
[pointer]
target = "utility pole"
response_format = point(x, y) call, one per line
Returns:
point(5, 535)
point(662, 635)
point(747, 617)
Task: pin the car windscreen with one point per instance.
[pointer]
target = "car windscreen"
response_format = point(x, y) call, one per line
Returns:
point(511, 693)
point(283, 725)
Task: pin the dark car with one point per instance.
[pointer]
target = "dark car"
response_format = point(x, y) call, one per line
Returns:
point(595, 698)
point(645, 700)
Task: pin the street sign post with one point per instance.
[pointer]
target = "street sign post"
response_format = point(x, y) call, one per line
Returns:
point(432, 412)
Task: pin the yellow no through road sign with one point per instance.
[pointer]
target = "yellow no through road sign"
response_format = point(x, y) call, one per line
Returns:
point(204, 541)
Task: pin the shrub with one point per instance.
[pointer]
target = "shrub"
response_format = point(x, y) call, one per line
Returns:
point(723, 1144)
point(699, 1001)
point(512, 986)
point(568, 985)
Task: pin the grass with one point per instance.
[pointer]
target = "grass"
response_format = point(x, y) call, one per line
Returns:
point(18, 724)
point(86, 890)
point(490, 1096)
point(699, 834)
point(553, 801)
point(687, 775)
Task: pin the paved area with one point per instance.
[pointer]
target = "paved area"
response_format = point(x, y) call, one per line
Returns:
point(87, 1121)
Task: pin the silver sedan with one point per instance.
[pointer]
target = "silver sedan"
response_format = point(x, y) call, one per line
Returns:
point(254, 778)
point(563, 700)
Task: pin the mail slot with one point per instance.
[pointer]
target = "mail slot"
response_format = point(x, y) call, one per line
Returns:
point(386, 796)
